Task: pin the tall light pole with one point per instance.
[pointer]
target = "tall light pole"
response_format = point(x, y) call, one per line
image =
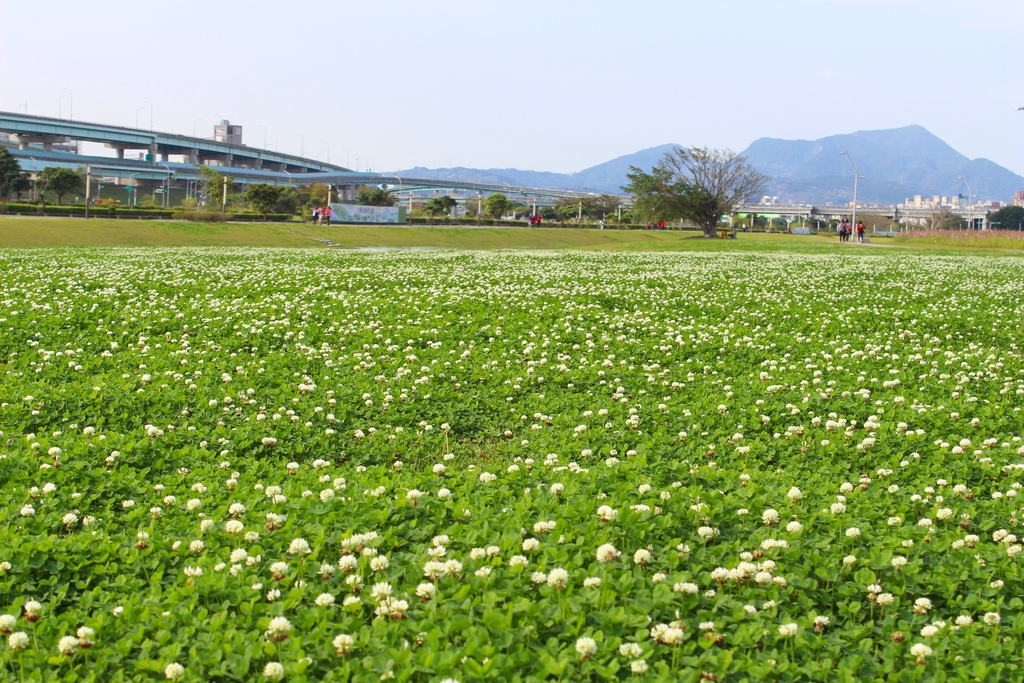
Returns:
point(856, 177)
point(328, 145)
point(167, 187)
point(302, 144)
point(400, 190)
point(264, 135)
point(970, 204)
point(71, 104)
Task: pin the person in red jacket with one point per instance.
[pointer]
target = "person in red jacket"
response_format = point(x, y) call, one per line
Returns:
point(860, 231)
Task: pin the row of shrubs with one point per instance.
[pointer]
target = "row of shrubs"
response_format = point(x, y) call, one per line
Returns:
point(111, 211)
point(79, 210)
point(443, 220)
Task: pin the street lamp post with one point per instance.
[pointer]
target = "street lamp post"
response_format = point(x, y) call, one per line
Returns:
point(970, 204)
point(71, 104)
point(264, 135)
point(856, 177)
point(302, 144)
point(328, 145)
point(167, 187)
point(400, 190)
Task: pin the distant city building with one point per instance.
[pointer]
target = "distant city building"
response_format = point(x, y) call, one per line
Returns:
point(1018, 198)
point(225, 132)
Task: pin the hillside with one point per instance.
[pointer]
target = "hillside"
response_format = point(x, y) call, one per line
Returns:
point(895, 164)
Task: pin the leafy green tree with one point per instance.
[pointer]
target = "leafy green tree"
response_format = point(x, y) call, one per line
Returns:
point(440, 205)
point(13, 181)
point(592, 207)
point(366, 196)
point(211, 187)
point(1007, 218)
point(58, 180)
point(263, 198)
point(696, 183)
point(497, 205)
point(567, 208)
point(316, 194)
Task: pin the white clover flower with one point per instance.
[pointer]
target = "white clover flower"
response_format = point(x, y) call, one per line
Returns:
point(67, 646)
point(630, 650)
point(586, 647)
point(558, 578)
point(788, 630)
point(299, 546)
point(794, 527)
point(642, 557)
point(273, 671)
point(920, 651)
point(992, 618)
point(324, 600)
point(343, 643)
point(18, 640)
point(279, 628)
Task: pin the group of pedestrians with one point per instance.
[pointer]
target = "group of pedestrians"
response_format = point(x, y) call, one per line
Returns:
point(845, 230)
point(535, 220)
point(321, 215)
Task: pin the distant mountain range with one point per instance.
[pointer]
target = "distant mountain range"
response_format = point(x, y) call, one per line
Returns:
point(895, 164)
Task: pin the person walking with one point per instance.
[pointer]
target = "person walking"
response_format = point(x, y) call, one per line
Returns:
point(327, 214)
point(316, 215)
point(860, 231)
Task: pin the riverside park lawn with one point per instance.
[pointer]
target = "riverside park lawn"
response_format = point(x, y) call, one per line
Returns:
point(318, 465)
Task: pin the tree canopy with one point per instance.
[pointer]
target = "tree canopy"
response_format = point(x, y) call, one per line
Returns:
point(58, 180)
point(594, 207)
point(497, 205)
point(440, 205)
point(263, 198)
point(367, 196)
point(1007, 218)
point(212, 186)
point(13, 181)
point(696, 183)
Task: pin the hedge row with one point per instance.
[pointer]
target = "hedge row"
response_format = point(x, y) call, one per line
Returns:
point(79, 210)
point(136, 212)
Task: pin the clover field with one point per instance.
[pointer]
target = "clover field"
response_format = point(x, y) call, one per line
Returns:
point(238, 465)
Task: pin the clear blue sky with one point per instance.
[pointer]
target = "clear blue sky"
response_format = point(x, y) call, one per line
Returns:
point(553, 85)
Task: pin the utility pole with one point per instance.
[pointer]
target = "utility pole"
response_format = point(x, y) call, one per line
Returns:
point(88, 184)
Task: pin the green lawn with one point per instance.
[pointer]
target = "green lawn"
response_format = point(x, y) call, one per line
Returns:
point(19, 231)
point(26, 231)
